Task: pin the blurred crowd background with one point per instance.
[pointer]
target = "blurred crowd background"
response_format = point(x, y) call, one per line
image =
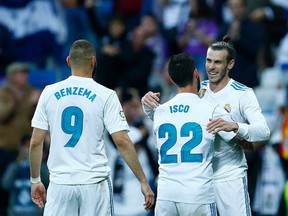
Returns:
point(134, 39)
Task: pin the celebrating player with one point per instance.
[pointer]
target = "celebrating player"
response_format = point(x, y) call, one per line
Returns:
point(185, 147)
point(229, 163)
point(75, 112)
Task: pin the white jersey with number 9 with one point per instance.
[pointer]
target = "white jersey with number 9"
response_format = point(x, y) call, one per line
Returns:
point(76, 111)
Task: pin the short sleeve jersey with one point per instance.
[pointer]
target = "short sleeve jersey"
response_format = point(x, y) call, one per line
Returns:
point(186, 149)
point(77, 111)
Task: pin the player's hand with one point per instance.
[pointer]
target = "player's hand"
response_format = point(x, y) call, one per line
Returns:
point(149, 196)
point(38, 194)
point(216, 125)
point(151, 99)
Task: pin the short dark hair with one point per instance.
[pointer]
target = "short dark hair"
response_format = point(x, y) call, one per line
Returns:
point(81, 52)
point(225, 44)
point(181, 68)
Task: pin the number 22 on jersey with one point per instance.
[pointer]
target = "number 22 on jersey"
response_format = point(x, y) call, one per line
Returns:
point(169, 131)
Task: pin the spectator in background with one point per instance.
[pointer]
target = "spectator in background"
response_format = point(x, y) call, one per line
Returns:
point(37, 28)
point(247, 38)
point(281, 61)
point(171, 15)
point(112, 41)
point(157, 44)
point(198, 33)
point(6, 49)
point(16, 180)
point(130, 10)
point(77, 25)
point(271, 15)
point(138, 61)
point(7, 112)
point(17, 103)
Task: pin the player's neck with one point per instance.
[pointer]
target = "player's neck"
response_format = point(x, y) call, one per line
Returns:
point(188, 89)
point(81, 73)
point(218, 86)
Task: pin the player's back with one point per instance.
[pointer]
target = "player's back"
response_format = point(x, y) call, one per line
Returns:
point(185, 149)
point(76, 111)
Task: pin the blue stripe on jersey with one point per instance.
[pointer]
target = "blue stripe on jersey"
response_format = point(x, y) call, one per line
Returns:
point(247, 204)
point(238, 86)
point(111, 197)
point(205, 83)
point(213, 209)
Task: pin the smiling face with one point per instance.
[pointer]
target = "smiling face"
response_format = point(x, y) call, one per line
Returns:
point(217, 68)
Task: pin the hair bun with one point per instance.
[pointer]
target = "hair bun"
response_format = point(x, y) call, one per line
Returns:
point(226, 38)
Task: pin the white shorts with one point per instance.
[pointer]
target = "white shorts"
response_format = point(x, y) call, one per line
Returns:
point(89, 200)
point(232, 197)
point(169, 208)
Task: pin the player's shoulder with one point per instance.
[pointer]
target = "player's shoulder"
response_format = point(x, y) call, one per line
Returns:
point(237, 86)
point(53, 86)
point(233, 85)
point(103, 88)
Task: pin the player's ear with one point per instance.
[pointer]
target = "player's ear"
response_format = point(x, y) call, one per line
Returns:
point(68, 61)
point(196, 79)
point(231, 64)
point(195, 73)
point(93, 61)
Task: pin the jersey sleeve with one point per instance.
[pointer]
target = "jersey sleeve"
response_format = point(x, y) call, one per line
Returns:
point(256, 128)
point(222, 113)
point(148, 111)
point(114, 117)
point(40, 119)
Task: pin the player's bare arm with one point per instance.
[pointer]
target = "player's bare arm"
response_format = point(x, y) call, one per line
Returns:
point(128, 152)
point(151, 99)
point(38, 191)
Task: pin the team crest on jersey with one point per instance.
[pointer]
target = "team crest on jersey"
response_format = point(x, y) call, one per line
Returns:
point(122, 115)
point(201, 92)
point(227, 107)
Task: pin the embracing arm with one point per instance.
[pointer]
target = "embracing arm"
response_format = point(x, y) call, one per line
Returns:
point(149, 102)
point(256, 130)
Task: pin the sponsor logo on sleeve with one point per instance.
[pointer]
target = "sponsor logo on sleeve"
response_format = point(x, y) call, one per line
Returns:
point(122, 115)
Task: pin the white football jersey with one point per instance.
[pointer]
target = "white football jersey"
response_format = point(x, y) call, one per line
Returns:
point(241, 103)
point(76, 111)
point(186, 149)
